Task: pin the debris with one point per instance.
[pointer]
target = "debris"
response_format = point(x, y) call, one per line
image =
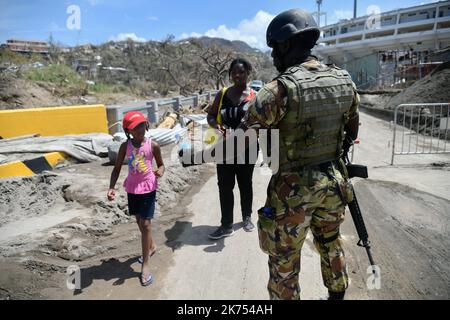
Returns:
point(83, 147)
point(162, 136)
point(431, 89)
point(169, 121)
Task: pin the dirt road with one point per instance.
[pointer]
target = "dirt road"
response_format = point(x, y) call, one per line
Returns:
point(406, 207)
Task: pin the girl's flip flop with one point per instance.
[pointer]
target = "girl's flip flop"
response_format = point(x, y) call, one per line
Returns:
point(147, 281)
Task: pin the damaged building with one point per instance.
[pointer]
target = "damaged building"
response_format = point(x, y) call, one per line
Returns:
point(389, 49)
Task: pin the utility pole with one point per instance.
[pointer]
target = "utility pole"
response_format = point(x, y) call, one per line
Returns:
point(319, 3)
point(354, 8)
point(319, 14)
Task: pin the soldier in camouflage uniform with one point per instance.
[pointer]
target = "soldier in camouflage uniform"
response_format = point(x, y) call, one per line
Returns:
point(315, 108)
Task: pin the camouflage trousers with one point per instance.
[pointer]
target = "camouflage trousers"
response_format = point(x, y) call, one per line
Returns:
point(301, 201)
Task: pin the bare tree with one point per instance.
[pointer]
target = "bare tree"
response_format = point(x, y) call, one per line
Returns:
point(181, 66)
point(217, 62)
point(53, 50)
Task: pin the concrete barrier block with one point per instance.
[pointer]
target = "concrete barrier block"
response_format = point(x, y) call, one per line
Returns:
point(54, 121)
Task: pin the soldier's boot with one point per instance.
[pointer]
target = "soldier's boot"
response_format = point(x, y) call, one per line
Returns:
point(336, 295)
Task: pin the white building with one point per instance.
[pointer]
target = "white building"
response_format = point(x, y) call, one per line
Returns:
point(361, 45)
point(27, 46)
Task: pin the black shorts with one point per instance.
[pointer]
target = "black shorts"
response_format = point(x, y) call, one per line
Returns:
point(142, 204)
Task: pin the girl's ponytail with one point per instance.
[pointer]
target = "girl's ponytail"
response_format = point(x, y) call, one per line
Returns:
point(127, 133)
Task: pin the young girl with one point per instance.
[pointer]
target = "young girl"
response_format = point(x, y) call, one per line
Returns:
point(141, 182)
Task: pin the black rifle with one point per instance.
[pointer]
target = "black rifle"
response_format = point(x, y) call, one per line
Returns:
point(192, 156)
point(360, 171)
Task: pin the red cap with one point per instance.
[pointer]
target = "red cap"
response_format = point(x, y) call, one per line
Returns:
point(132, 119)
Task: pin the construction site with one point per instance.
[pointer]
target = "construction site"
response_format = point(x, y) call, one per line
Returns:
point(61, 113)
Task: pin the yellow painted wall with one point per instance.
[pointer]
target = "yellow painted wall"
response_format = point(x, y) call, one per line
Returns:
point(54, 121)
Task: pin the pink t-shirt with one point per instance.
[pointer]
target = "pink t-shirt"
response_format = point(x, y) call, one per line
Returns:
point(141, 178)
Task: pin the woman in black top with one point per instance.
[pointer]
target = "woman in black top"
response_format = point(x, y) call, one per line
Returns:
point(231, 113)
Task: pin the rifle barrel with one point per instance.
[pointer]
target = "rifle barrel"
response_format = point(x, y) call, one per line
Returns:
point(360, 227)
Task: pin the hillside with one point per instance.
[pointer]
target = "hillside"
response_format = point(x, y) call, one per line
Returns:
point(236, 46)
point(116, 72)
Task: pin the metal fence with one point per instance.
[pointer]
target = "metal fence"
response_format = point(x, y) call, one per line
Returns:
point(421, 128)
point(153, 108)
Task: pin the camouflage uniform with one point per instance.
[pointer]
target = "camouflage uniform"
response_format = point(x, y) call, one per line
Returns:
point(301, 197)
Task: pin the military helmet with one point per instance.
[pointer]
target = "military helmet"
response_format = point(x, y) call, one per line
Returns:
point(291, 23)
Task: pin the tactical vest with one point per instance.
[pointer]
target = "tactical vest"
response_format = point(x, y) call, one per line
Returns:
point(312, 130)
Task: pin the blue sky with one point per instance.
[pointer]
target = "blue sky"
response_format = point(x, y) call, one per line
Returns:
point(103, 20)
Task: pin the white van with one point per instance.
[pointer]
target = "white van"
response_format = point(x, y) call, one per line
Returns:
point(256, 85)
